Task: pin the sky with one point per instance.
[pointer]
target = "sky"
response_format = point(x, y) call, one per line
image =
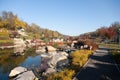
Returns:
point(69, 17)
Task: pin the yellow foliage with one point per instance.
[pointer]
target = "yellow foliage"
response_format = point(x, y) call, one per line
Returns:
point(4, 32)
point(66, 74)
point(55, 34)
point(79, 58)
point(3, 23)
point(19, 22)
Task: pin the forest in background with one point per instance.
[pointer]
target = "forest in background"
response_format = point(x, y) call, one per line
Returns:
point(108, 34)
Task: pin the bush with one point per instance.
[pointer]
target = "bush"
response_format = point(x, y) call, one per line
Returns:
point(66, 74)
point(92, 43)
point(80, 57)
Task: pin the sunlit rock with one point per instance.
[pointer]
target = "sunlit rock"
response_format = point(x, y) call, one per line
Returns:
point(17, 71)
point(57, 57)
point(28, 75)
point(50, 71)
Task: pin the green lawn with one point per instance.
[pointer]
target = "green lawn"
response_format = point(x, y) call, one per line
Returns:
point(112, 46)
point(6, 42)
point(5, 39)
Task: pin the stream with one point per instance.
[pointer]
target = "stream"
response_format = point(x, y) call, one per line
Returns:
point(8, 61)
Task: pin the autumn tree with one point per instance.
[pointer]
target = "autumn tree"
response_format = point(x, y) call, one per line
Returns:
point(116, 26)
point(110, 33)
point(102, 32)
point(55, 34)
point(46, 33)
point(10, 21)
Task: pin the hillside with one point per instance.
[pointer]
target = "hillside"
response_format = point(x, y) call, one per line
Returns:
point(107, 34)
point(12, 22)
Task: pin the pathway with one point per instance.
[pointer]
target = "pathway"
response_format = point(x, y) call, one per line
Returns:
point(100, 66)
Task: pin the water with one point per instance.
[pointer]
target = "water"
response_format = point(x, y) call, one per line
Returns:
point(8, 62)
point(31, 62)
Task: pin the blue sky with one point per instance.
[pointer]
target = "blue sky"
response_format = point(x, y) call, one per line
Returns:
point(70, 17)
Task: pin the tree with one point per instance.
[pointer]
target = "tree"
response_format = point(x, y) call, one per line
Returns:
point(4, 15)
point(116, 26)
point(111, 33)
point(102, 32)
point(55, 34)
point(10, 21)
point(46, 33)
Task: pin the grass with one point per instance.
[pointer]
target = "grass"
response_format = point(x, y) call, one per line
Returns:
point(65, 74)
point(4, 34)
point(30, 35)
point(112, 46)
point(5, 40)
point(26, 37)
point(6, 43)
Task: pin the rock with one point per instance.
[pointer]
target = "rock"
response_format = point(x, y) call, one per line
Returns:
point(40, 50)
point(16, 71)
point(22, 32)
point(19, 45)
point(51, 49)
point(56, 58)
point(50, 71)
point(28, 75)
point(46, 55)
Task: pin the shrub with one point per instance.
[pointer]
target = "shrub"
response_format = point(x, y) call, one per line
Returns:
point(65, 74)
point(79, 58)
point(92, 43)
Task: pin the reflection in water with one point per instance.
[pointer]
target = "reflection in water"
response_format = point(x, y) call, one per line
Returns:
point(31, 62)
point(8, 62)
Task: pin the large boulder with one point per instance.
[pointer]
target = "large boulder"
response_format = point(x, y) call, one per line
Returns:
point(29, 75)
point(16, 71)
point(56, 58)
point(51, 49)
point(19, 45)
point(40, 50)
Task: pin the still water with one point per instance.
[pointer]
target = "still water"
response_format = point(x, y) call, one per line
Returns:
point(8, 61)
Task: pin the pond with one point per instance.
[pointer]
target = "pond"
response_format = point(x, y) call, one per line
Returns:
point(8, 61)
